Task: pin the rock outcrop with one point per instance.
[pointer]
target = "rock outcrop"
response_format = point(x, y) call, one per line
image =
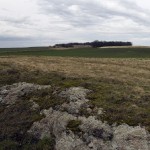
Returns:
point(93, 134)
point(76, 97)
point(128, 138)
point(89, 133)
point(9, 94)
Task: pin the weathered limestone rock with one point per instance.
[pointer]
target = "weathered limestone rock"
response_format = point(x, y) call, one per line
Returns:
point(54, 123)
point(75, 93)
point(70, 142)
point(76, 97)
point(9, 94)
point(96, 128)
point(93, 134)
point(130, 138)
point(35, 106)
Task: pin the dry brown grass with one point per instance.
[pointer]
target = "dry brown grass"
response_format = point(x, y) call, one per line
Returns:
point(134, 71)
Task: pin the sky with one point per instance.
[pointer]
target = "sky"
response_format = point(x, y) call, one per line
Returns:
point(26, 23)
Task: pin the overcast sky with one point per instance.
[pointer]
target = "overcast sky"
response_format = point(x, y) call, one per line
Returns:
point(46, 22)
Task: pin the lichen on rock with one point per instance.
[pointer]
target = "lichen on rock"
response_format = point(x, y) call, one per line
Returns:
point(9, 94)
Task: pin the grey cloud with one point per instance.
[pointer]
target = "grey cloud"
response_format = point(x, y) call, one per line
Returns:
point(17, 21)
point(92, 15)
point(80, 20)
point(14, 38)
point(18, 41)
point(14, 41)
point(89, 12)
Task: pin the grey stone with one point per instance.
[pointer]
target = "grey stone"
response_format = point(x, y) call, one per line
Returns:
point(96, 135)
point(11, 93)
point(35, 106)
point(100, 111)
point(76, 97)
point(75, 93)
point(130, 138)
point(93, 134)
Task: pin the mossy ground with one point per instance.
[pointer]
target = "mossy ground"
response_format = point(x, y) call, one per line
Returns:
point(73, 125)
point(121, 103)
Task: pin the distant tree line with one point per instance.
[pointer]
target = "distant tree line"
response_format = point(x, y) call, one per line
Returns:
point(95, 44)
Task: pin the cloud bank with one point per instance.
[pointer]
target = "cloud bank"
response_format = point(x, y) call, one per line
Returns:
point(46, 22)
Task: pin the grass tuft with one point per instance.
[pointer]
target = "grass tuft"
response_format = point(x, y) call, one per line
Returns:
point(73, 125)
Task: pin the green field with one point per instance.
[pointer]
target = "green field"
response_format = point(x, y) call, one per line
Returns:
point(80, 52)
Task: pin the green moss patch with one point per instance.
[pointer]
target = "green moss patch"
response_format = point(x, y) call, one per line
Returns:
point(121, 104)
point(73, 125)
point(46, 98)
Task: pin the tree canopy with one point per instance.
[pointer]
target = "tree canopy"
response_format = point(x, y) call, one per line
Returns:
point(96, 44)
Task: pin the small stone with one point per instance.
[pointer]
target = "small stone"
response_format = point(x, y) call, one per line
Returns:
point(35, 106)
point(89, 110)
point(77, 99)
point(100, 111)
point(91, 145)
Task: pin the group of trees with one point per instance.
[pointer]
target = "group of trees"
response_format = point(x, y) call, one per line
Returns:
point(110, 43)
point(96, 44)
